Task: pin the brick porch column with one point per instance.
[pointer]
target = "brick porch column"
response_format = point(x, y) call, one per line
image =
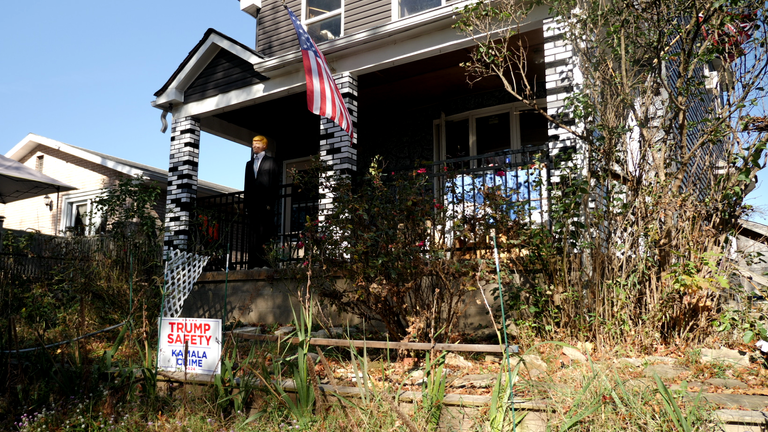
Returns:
point(562, 76)
point(182, 181)
point(336, 149)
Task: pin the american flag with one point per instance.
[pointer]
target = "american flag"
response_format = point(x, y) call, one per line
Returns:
point(735, 31)
point(323, 96)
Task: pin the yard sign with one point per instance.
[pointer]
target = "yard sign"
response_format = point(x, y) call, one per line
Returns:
point(203, 341)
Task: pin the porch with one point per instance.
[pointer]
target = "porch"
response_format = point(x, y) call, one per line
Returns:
point(460, 185)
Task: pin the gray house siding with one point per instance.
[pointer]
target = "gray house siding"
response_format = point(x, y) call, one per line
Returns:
point(276, 34)
point(361, 15)
point(225, 72)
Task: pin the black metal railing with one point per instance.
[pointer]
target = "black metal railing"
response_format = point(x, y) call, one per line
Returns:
point(519, 177)
point(220, 227)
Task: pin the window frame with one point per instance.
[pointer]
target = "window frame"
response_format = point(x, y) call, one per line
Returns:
point(539, 214)
point(514, 109)
point(70, 201)
point(307, 22)
point(396, 9)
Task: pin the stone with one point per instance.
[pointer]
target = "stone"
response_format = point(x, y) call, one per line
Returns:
point(630, 361)
point(475, 380)
point(664, 371)
point(693, 386)
point(455, 360)
point(726, 383)
point(724, 355)
point(343, 331)
point(493, 358)
point(285, 330)
point(736, 400)
point(320, 334)
point(530, 362)
point(248, 330)
point(415, 377)
point(574, 354)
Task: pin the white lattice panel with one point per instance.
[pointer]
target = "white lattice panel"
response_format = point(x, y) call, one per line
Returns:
point(181, 273)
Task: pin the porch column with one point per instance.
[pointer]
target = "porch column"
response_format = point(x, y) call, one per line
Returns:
point(182, 181)
point(563, 77)
point(336, 149)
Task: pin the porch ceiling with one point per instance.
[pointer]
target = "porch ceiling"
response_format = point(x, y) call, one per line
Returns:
point(286, 120)
point(410, 86)
point(439, 77)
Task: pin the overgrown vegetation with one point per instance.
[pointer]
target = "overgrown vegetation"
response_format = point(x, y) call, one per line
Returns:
point(380, 236)
point(644, 190)
point(645, 206)
point(84, 284)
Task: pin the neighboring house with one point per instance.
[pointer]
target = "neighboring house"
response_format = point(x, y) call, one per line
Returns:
point(397, 64)
point(90, 172)
point(751, 258)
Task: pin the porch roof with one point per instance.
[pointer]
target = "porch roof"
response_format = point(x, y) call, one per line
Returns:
point(200, 55)
point(396, 43)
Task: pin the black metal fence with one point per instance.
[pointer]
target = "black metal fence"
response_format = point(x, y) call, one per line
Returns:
point(38, 256)
point(220, 229)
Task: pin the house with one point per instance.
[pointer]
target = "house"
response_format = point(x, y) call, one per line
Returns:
point(398, 67)
point(90, 172)
point(751, 257)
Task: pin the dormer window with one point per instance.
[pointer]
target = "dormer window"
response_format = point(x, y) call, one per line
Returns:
point(322, 18)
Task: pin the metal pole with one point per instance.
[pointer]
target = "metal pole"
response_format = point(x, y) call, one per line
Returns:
point(504, 327)
point(226, 281)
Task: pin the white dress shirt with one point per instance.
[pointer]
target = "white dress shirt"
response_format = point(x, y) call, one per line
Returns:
point(256, 162)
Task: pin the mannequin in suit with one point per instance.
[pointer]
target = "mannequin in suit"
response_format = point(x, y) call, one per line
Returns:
point(262, 190)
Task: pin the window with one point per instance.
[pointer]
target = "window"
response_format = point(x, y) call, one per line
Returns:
point(489, 130)
point(322, 18)
point(409, 7)
point(406, 8)
point(517, 176)
point(80, 216)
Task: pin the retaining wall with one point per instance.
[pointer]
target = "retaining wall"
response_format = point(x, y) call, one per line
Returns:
point(260, 297)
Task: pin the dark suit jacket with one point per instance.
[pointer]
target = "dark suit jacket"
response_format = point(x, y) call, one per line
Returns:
point(261, 193)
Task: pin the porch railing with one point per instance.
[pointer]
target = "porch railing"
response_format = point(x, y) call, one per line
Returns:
point(518, 177)
point(220, 227)
point(461, 184)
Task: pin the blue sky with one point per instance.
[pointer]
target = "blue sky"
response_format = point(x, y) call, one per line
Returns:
point(84, 72)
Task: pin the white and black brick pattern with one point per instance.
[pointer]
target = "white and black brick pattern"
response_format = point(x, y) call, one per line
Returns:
point(563, 77)
point(182, 181)
point(336, 149)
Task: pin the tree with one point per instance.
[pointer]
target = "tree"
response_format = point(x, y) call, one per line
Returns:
point(662, 108)
point(384, 235)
